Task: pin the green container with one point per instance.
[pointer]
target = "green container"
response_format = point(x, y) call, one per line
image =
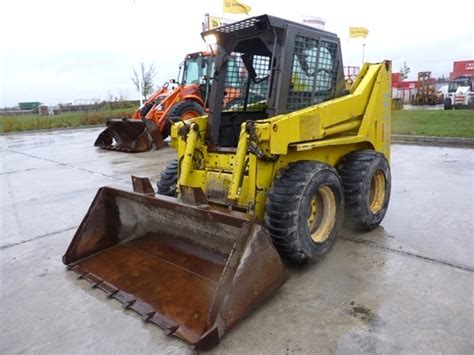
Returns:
point(33, 105)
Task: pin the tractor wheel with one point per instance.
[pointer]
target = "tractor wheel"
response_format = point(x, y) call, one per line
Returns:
point(471, 102)
point(447, 104)
point(168, 179)
point(183, 110)
point(304, 210)
point(367, 183)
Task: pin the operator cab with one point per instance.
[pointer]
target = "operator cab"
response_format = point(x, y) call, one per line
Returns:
point(195, 67)
point(462, 81)
point(266, 66)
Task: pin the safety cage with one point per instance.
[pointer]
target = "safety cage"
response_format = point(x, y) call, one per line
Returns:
point(266, 66)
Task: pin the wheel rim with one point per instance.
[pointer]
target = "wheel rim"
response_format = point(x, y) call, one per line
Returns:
point(190, 114)
point(377, 191)
point(322, 216)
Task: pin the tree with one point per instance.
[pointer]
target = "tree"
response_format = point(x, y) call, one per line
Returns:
point(404, 71)
point(145, 77)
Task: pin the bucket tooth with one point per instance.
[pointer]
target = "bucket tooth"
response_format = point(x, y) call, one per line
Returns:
point(125, 298)
point(129, 304)
point(171, 330)
point(93, 279)
point(162, 321)
point(142, 308)
point(109, 289)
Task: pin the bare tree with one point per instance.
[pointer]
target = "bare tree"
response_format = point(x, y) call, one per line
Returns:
point(144, 77)
point(404, 71)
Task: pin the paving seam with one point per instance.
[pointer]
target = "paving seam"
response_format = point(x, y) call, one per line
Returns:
point(7, 246)
point(67, 165)
point(16, 171)
point(406, 253)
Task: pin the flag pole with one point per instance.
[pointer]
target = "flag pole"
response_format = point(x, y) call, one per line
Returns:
point(363, 53)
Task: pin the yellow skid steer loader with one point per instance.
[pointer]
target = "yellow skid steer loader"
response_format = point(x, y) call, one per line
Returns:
point(271, 176)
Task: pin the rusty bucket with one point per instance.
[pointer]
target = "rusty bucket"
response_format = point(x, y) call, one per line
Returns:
point(130, 135)
point(195, 271)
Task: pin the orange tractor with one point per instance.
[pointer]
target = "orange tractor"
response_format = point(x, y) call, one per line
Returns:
point(150, 124)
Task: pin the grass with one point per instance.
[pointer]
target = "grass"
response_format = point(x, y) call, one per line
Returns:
point(63, 120)
point(437, 123)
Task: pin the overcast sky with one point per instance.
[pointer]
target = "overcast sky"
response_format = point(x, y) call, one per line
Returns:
point(59, 51)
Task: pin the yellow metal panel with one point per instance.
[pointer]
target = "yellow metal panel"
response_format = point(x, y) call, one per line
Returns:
point(220, 161)
point(326, 142)
point(316, 122)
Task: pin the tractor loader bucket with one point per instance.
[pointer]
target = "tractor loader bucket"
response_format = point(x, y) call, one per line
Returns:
point(129, 135)
point(193, 270)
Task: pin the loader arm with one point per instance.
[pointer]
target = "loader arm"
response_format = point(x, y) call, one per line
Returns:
point(346, 119)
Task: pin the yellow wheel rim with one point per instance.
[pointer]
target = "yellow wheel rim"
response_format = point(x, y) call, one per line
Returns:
point(322, 216)
point(377, 191)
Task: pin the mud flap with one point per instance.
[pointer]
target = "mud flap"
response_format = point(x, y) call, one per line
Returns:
point(195, 271)
point(130, 135)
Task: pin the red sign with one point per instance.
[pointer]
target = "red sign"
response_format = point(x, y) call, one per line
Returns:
point(462, 68)
point(405, 85)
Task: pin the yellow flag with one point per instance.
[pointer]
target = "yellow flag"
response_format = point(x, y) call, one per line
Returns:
point(355, 32)
point(214, 22)
point(236, 7)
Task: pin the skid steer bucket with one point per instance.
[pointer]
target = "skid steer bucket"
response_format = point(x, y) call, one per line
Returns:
point(129, 135)
point(194, 271)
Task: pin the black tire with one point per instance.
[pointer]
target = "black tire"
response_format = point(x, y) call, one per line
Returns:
point(183, 107)
point(447, 104)
point(367, 184)
point(168, 179)
point(471, 102)
point(291, 206)
point(179, 110)
point(145, 109)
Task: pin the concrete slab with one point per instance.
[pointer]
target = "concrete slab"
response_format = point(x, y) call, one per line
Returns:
point(406, 287)
point(431, 210)
point(358, 300)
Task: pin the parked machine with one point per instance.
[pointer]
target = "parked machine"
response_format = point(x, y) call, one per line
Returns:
point(150, 124)
point(426, 91)
point(460, 93)
point(272, 175)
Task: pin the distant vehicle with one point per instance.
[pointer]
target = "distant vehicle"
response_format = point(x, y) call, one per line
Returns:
point(460, 93)
point(443, 90)
point(150, 124)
